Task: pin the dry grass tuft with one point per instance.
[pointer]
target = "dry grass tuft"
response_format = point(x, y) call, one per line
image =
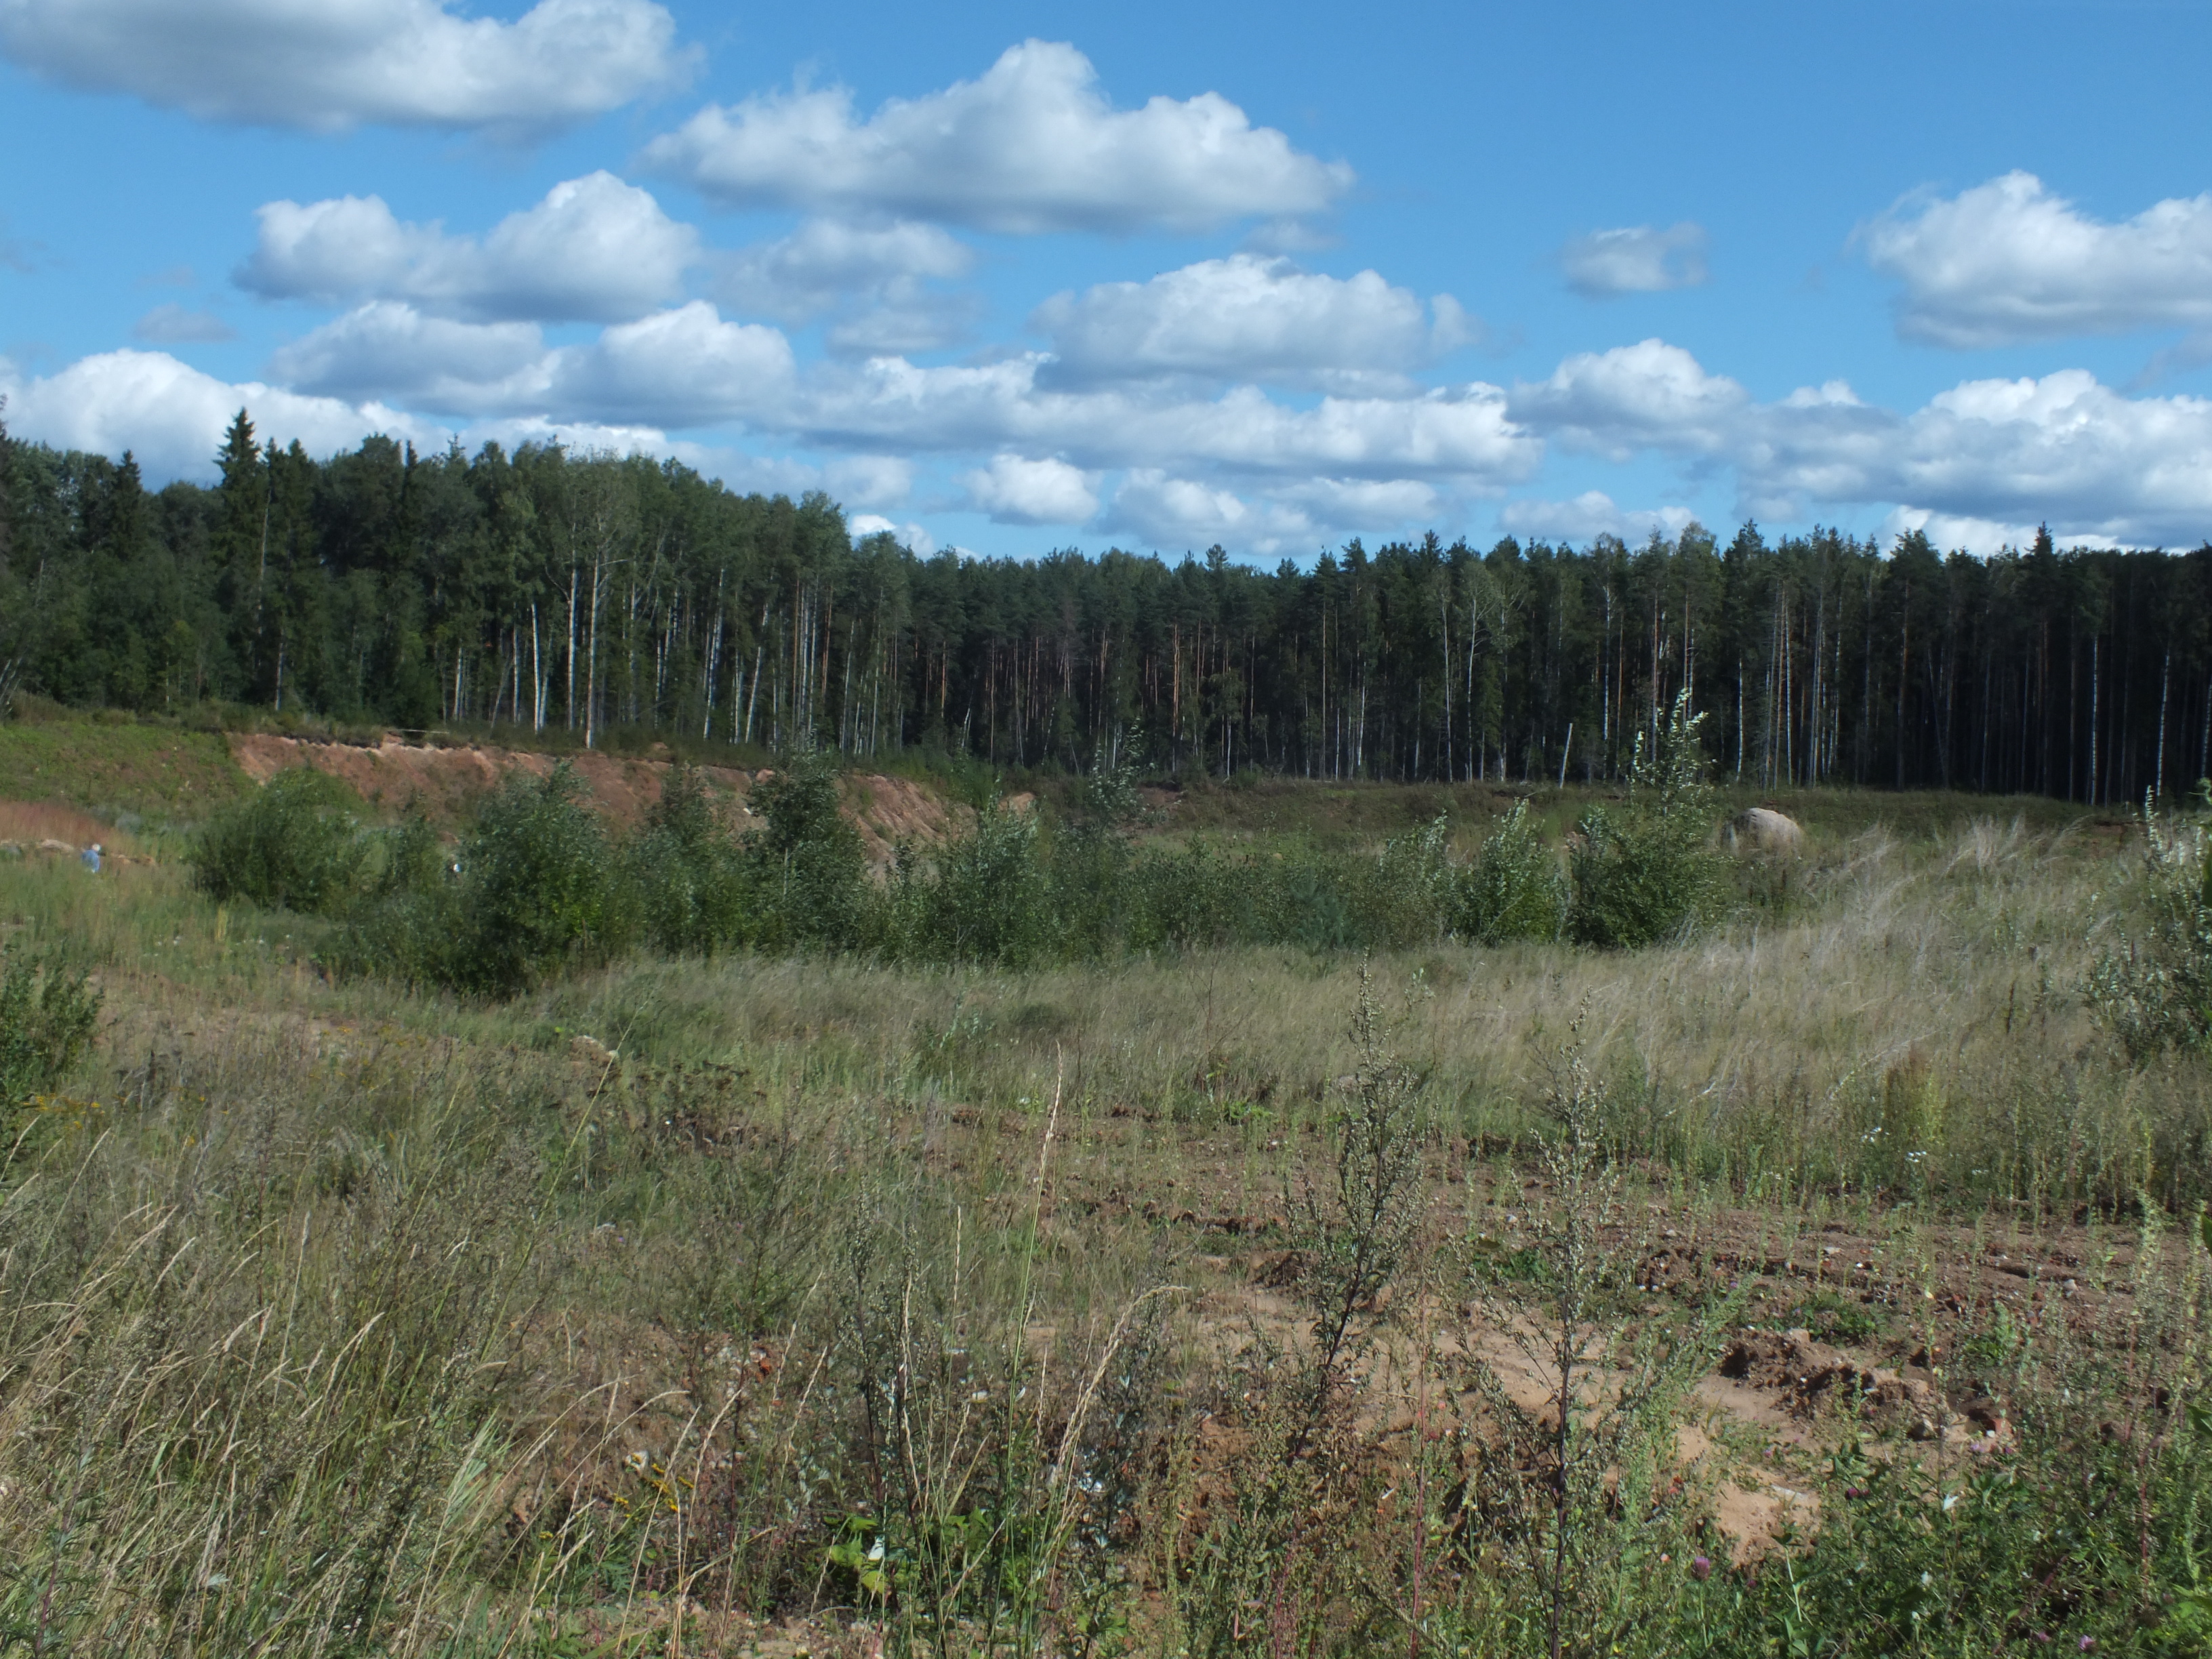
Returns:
point(28, 824)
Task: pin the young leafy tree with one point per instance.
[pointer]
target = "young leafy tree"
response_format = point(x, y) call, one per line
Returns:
point(1091, 855)
point(290, 845)
point(1582, 1490)
point(1647, 873)
point(687, 869)
point(537, 892)
point(2153, 989)
point(1515, 889)
point(805, 866)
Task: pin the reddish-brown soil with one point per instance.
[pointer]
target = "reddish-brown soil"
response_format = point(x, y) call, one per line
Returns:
point(444, 782)
point(51, 829)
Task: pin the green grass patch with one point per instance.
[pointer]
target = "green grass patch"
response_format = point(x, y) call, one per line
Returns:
point(158, 772)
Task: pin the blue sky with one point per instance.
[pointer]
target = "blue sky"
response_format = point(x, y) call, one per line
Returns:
point(1016, 278)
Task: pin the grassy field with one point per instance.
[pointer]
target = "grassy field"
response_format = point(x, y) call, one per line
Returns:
point(1248, 1301)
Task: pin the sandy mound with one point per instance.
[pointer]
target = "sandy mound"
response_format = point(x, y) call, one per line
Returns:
point(446, 782)
point(887, 810)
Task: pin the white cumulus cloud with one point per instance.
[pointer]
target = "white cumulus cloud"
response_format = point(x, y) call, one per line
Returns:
point(870, 480)
point(2098, 463)
point(2009, 260)
point(1635, 259)
point(1014, 489)
point(876, 279)
point(910, 535)
point(678, 368)
point(1362, 504)
point(1032, 145)
point(596, 249)
point(1250, 318)
point(689, 367)
point(874, 483)
point(387, 349)
point(1649, 394)
point(1589, 516)
point(1947, 530)
point(1167, 512)
point(2064, 447)
point(1463, 431)
point(681, 367)
point(327, 65)
point(172, 416)
point(827, 261)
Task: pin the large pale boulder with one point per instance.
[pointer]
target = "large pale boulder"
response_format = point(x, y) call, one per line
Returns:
point(1762, 830)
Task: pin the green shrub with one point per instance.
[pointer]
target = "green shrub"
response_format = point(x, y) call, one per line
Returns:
point(1202, 897)
point(1514, 889)
point(412, 936)
point(984, 897)
point(1584, 1497)
point(2154, 990)
point(804, 865)
point(1407, 897)
point(537, 886)
point(1090, 857)
point(686, 870)
point(534, 890)
point(408, 928)
point(804, 869)
point(1187, 899)
point(1649, 873)
point(48, 1019)
point(415, 858)
point(292, 844)
point(1304, 901)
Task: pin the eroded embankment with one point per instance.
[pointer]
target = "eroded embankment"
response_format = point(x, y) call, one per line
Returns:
point(444, 783)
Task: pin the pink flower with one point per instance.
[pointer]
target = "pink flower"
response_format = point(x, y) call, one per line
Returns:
point(1701, 1566)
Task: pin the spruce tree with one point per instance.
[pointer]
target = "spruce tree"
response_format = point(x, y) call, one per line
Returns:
point(242, 541)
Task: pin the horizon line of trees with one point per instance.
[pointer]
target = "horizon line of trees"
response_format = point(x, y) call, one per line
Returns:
point(549, 588)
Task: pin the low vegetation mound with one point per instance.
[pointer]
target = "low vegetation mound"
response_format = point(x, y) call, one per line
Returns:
point(541, 883)
point(445, 783)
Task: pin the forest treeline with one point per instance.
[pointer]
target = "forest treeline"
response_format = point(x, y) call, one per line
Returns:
point(552, 589)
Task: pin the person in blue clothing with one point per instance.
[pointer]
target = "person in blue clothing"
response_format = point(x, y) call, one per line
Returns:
point(91, 858)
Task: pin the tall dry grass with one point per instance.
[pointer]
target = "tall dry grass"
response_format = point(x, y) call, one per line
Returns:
point(259, 1319)
point(27, 824)
point(1907, 1021)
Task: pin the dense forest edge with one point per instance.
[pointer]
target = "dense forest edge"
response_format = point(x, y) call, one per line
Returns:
point(551, 597)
